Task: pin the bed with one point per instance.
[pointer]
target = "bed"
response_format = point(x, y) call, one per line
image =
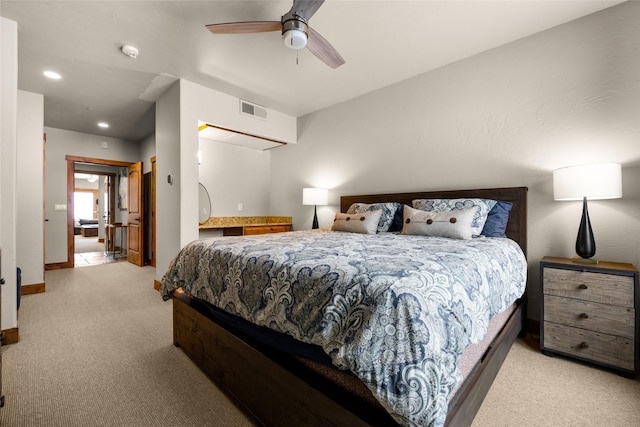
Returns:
point(282, 379)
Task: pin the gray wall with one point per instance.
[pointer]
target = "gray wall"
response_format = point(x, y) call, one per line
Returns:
point(61, 143)
point(29, 188)
point(233, 175)
point(506, 117)
point(147, 151)
point(168, 164)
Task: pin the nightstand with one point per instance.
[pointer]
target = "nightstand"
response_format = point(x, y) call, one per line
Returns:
point(590, 312)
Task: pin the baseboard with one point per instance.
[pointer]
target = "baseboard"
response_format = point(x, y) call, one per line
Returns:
point(11, 336)
point(156, 285)
point(34, 288)
point(58, 265)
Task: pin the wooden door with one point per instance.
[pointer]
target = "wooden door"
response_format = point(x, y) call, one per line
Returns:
point(135, 216)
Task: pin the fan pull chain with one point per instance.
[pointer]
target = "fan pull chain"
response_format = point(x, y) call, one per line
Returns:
point(297, 57)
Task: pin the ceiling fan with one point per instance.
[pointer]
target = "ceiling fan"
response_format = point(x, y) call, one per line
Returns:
point(296, 32)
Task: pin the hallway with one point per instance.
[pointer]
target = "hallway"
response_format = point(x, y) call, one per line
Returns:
point(89, 251)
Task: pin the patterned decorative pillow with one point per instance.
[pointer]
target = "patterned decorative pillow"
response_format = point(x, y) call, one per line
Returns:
point(455, 224)
point(443, 205)
point(386, 218)
point(364, 222)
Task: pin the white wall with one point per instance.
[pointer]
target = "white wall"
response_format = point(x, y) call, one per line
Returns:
point(198, 103)
point(178, 112)
point(8, 205)
point(506, 117)
point(29, 186)
point(83, 184)
point(61, 143)
point(233, 175)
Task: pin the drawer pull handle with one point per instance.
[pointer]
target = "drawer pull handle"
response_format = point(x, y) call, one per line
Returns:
point(583, 345)
point(583, 316)
point(583, 286)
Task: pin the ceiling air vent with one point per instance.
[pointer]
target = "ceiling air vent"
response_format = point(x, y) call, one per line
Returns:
point(253, 110)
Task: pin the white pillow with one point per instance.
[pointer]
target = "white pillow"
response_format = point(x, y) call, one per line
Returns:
point(442, 205)
point(454, 224)
point(364, 223)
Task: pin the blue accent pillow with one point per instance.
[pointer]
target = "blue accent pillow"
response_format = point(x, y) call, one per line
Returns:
point(496, 224)
point(398, 218)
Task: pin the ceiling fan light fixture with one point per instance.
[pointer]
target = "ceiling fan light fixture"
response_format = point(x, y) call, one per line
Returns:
point(295, 39)
point(293, 27)
point(294, 31)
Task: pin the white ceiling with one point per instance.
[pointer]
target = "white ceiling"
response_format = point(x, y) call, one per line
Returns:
point(383, 42)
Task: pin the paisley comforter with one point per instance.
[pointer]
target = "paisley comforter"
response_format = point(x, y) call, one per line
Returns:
point(396, 310)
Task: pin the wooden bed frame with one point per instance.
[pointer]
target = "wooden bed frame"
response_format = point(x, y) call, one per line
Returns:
point(277, 389)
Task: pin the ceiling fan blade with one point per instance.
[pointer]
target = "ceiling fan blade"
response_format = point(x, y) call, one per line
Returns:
point(323, 50)
point(245, 27)
point(306, 8)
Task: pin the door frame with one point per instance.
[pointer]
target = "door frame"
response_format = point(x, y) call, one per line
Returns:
point(153, 211)
point(71, 164)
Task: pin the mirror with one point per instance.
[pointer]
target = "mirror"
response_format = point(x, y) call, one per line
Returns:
point(204, 204)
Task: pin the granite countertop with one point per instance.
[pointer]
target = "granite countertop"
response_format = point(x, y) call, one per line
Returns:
point(216, 222)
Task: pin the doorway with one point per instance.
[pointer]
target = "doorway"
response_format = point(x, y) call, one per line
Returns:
point(93, 204)
point(90, 164)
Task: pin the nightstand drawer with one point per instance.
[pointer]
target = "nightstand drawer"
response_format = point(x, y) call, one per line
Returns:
point(608, 319)
point(589, 286)
point(603, 348)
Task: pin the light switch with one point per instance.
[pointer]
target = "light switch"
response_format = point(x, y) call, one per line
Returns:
point(60, 207)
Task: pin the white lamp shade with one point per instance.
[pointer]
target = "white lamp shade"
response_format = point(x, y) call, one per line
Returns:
point(594, 181)
point(315, 196)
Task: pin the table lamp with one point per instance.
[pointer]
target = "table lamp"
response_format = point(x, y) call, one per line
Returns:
point(315, 197)
point(593, 182)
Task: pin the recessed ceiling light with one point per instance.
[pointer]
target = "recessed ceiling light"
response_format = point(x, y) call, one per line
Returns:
point(103, 125)
point(52, 75)
point(130, 51)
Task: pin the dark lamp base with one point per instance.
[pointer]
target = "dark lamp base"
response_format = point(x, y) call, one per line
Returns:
point(585, 243)
point(315, 219)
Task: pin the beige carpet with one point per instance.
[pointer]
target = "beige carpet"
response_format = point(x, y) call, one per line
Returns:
point(87, 244)
point(536, 390)
point(96, 350)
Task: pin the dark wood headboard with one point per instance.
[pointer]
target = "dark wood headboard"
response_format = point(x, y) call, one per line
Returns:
point(516, 228)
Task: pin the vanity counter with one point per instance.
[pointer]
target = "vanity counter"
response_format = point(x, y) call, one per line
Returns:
point(247, 225)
